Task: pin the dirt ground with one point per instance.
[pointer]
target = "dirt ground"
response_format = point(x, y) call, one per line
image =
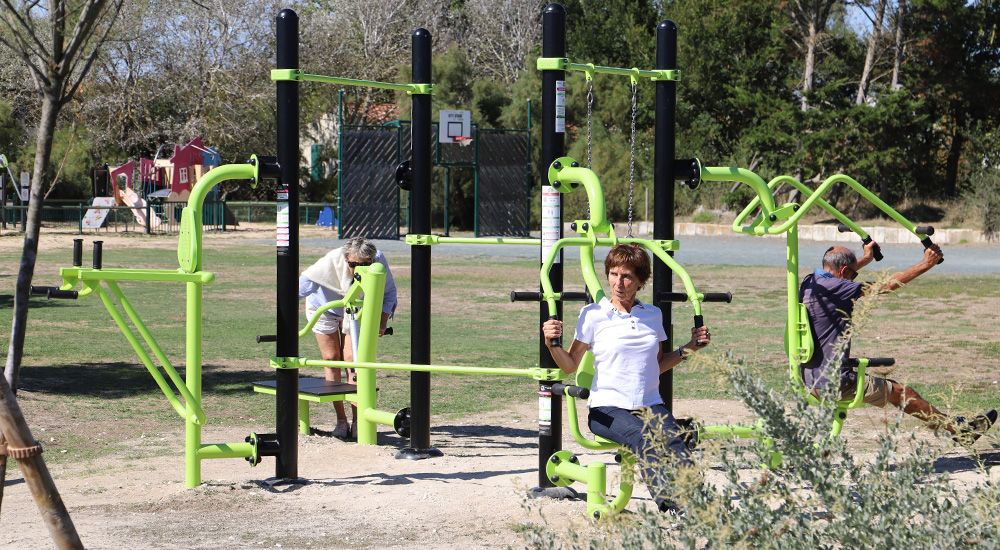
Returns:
point(354, 497)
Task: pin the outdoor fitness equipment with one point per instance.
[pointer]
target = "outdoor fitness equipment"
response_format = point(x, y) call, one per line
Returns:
point(184, 395)
point(566, 175)
point(773, 219)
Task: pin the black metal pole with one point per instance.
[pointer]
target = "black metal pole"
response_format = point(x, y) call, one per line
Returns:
point(553, 147)
point(287, 393)
point(420, 258)
point(663, 183)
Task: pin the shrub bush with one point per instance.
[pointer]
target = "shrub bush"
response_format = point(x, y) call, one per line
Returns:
point(821, 497)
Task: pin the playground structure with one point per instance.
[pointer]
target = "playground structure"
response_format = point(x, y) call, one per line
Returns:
point(132, 184)
point(16, 190)
point(557, 467)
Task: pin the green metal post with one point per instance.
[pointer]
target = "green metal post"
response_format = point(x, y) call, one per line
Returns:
point(792, 298)
point(304, 428)
point(373, 285)
point(193, 378)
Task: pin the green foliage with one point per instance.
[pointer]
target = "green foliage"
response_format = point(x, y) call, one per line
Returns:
point(72, 151)
point(822, 497)
point(11, 134)
point(985, 197)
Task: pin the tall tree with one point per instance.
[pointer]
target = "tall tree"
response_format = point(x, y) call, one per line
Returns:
point(58, 41)
point(811, 17)
point(900, 37)
point(873, 45)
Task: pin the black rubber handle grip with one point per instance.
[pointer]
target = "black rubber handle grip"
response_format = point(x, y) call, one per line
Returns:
point(843, 228)
point(63, 294)
point(534, 296)
point(873, 362)
point(726, 297)
point(924, 229)
point(267, 338)
point(556, 342)
point(877, 251)
point(927, 244)
point(41, 290)
point(699, 321)
point(570, 390)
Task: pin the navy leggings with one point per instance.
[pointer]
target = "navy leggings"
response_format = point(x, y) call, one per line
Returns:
point(628, 429)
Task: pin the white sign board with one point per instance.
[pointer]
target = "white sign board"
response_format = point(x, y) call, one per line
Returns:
point(452, 124)
point(25, 190)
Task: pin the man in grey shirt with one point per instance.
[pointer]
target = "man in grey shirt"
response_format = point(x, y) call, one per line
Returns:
point(829, 295)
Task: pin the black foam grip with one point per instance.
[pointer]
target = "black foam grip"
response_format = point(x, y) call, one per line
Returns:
point(570, 390)
point(524, 296)
point(556, 342)
point(877, 251)
point(843, 228)
point(924, 229)
point(927, 244)
point(63, 294)
point(41, 290)
point(532, 296)
point(873, 362)
point(699, 321)
point(726, 297)
point(267, 338)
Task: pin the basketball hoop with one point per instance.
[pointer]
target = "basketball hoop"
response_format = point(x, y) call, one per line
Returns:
point(462, 140)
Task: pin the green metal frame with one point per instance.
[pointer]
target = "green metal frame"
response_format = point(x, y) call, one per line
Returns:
point(298, 75)
point(566, 175)
point(589, 69)
point(187, 401)
point(775, 220)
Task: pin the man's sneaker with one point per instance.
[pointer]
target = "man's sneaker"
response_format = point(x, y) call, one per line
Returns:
point(968, 431)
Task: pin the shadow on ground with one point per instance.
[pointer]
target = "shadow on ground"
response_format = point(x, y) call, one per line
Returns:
point(119, 380)
point(954, 464)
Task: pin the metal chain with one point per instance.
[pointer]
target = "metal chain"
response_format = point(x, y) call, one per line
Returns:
point(590, 123)
point(631, 158)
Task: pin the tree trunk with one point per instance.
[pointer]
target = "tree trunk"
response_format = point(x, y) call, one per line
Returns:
point(812, 39)
point(954, 156)
point(873, 40)
point(43, 151)
point(36, 474)
point(897, 60)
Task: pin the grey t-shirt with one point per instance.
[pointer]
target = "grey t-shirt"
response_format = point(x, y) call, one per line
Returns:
point(829, 303)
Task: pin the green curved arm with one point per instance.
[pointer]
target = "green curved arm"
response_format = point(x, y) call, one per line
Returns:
point(349, 300)
point(814, 197)
point(591, 279)
point(565, 175)
point(742, 175)
point(189, 243)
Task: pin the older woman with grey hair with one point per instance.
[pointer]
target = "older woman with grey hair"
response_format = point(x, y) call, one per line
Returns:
point(327, 280)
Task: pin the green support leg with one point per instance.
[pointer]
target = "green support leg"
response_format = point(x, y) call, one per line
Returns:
point(304, 428)
point(192, 461)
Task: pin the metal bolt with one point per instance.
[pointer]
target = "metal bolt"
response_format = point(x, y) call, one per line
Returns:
point(556, 184)
point(555, 459)
point(575, 164)
point(557, 165)
point(574, 459)
point(554, 479)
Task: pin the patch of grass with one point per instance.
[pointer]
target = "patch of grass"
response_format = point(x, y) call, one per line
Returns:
point(81, 377)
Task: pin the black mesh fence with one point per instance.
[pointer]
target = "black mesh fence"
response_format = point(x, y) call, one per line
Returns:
point(370, 199)
point(368, 192)
point(504, 197)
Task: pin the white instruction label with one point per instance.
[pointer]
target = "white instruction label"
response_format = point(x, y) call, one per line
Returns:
point(551, 217)
point(282, 224)
point(560, 106)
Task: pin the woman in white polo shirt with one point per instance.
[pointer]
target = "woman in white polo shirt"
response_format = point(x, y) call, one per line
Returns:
point(625, 334)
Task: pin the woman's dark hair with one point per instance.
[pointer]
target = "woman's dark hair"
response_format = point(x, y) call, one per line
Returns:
point(631, 256)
